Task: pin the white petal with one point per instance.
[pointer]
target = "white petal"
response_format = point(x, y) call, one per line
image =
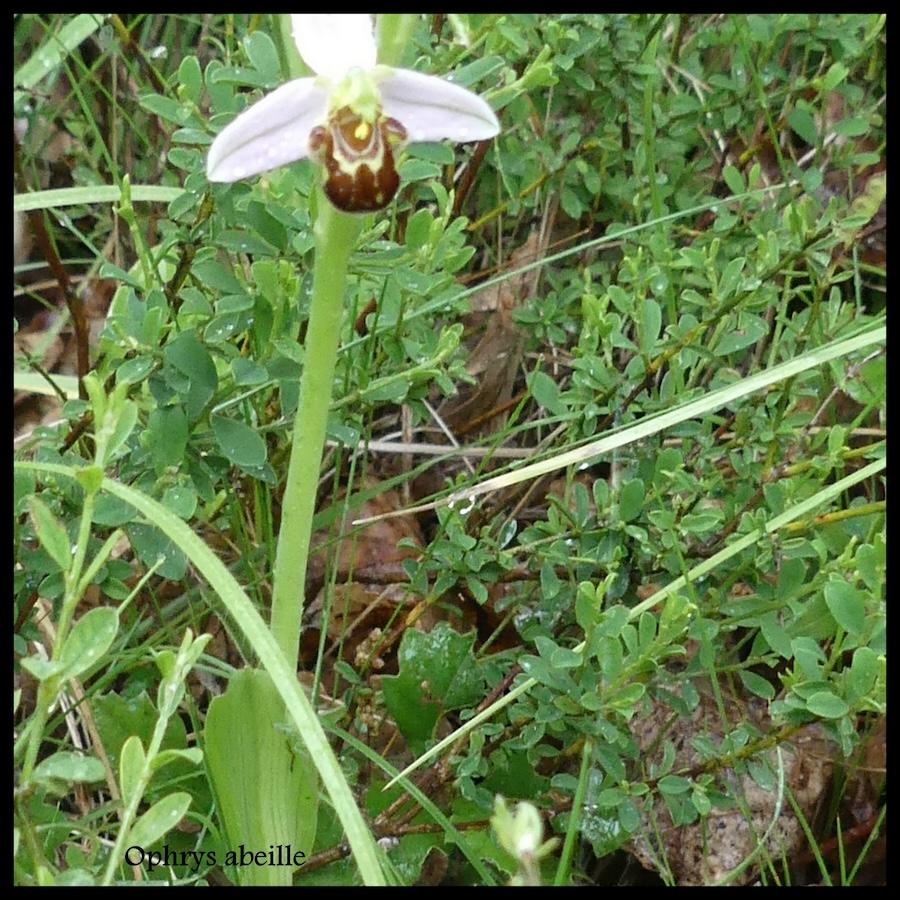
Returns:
point(432, 109)
point(273, 132)
point(333, 44)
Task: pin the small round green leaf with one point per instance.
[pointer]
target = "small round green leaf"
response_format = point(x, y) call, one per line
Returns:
point(160, 819)
point(847, 605)
point(863, 672)
point(88, 640)
point(263, 55)
point(545, 391)
point(126, 414)
point(631, 499)
point(191, 78)
point(650, 324)
point(803, 124)
point(69, 767)
point(758, 685)
point(674, 784)
point(701, 802)
point(131, 765)
point(166, 435)
point(827, 705)
point(239, 442)
point(51, 533)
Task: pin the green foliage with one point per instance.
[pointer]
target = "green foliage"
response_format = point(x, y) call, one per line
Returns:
point(61, 769)
point(437, 674)
point(712, 190)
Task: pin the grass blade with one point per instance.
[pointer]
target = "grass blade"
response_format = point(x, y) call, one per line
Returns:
point(51, 53)
point(95, 193)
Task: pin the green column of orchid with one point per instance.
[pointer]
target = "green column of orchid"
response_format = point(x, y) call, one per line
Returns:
point(336, 234)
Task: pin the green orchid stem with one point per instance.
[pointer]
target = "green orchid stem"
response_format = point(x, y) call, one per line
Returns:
point(336, 234)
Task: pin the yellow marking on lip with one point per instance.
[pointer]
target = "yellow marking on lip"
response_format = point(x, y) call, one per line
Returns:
point(362, 131)
point(348, 161)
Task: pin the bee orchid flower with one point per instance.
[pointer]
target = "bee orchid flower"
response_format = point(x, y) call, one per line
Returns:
point(351, 118)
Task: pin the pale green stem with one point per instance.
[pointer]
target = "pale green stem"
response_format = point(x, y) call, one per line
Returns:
point(336, 233)
point(565, 858)
point(44, 699)
point(73, 576)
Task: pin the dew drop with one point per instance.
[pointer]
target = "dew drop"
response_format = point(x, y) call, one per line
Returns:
point(659, 284)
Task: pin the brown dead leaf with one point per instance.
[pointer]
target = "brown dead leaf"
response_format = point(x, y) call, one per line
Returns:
point(357, 609)
point(494, 361)
point(373, 546)
point(56, 355)
point(434, 869)
point(33, 410)
point(360, 606)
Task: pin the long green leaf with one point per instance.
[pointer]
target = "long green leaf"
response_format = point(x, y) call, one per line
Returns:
point(36, 383)
point(657, 422)
point(51, 53)
point(254, 628)
point(94, 193)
